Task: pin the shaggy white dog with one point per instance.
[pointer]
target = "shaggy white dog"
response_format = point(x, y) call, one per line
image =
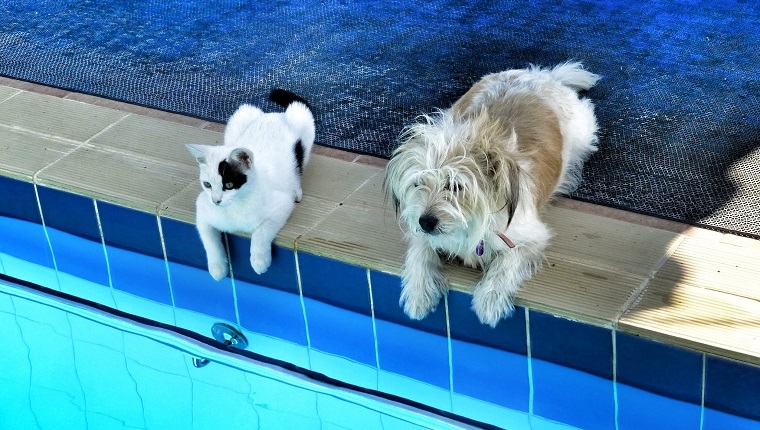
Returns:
point(470, 182)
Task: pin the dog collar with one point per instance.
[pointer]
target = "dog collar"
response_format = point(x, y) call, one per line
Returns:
point(481, 246)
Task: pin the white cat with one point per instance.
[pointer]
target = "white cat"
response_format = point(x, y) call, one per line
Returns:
point(252, 182)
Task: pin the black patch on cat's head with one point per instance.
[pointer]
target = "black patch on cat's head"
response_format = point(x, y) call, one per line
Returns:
point(298, 151)
point(232, 174)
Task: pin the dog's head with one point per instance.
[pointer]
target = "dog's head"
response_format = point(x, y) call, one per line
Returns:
point(451, 180)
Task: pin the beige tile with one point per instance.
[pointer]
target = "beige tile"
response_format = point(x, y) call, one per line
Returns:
point(23, 154)
point(138, 183)
point(339, 154)
point(181, 206)
point(156, 138)
point(32, 87)
point(361, 235)
point(307, 214)
point(136, 109)
point(54, 116)
point(371, 194)
point(697, 318)
point(582, 293)
point(7, 92)
point(334, 180)
point(372, 161)
point(606, 242)
point(719, 266)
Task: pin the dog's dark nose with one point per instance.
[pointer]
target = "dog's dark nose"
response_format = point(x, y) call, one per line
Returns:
point(428, 223)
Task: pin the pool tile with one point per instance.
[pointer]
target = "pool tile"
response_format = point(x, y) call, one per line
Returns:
point(414, 390)
point(23, 205)
point(334, 282)
point(732, 387)
point(639, 409)
point(131, 230)
point(341, 332)
point(386, 291)
point(135, 254)
point(183, 244)
point(25, 241)
point(195, 290)
point(271, 312)
point(572, 344)
point(78, 257)
point(717, 420)
point(491, 375)
point(72, 228)
point(416, 354)
point(509, 335)
point(659, 368)
point(417, 349)
point(70, 213)
point(582, 400)
point(280, 275)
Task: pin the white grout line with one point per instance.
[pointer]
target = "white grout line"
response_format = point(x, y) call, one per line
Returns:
point(614, 376)
point(303, 307)
point(168, 272)
point(450, 351)
point(225, 238)
point(703, 386)
point(529, 356)
point(374, 327)
point(105, 253)
point(47, 237)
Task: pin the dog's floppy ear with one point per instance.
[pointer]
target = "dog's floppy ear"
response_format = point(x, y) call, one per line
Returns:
point(503, 174)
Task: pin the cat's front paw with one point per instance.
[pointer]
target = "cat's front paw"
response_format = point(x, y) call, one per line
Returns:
point(260, 261)
point(218, 269)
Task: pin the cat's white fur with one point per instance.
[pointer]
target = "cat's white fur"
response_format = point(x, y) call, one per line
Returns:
point(262, 144)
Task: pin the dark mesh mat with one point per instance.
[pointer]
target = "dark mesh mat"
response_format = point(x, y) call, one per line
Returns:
point(678, 105)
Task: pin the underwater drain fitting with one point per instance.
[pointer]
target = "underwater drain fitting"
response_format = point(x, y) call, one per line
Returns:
point(226, 334)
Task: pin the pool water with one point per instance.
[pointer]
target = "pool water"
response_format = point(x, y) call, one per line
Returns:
point(67, 363)
point(67, 366)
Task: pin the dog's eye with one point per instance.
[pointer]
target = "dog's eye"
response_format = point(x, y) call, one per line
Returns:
point(207, 184)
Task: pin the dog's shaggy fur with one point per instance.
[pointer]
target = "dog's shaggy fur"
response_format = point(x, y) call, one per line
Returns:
point(470, 182)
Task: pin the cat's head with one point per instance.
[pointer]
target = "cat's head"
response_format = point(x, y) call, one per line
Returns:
point(224, 173)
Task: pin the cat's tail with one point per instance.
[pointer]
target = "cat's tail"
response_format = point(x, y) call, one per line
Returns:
point(299, 117)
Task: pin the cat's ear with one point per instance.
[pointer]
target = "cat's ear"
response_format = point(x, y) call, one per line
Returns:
point(242, 157)
point(198, 151)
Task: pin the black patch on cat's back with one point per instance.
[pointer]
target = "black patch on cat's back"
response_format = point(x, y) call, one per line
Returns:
point(232, 174)
point(298, 151)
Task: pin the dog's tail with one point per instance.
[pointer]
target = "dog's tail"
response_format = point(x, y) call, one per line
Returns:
point(573, 75)
point(284, 98)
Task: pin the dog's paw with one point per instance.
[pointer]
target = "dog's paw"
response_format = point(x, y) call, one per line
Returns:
point(421, 297)
point(491, 305)
point(260, 261)
point(218, 269)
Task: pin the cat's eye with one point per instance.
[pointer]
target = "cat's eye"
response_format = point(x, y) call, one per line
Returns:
point(229, 185)
point(207, 184)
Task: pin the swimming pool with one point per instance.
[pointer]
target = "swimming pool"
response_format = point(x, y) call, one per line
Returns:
point(533, 371)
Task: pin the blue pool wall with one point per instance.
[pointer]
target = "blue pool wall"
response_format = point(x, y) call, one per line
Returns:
point(322, 305)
